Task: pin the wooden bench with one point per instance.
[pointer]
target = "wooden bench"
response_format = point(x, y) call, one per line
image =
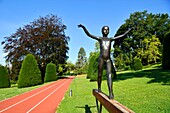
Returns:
point(112, 106)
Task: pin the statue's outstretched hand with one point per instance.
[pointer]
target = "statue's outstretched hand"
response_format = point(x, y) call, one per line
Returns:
point(80, 25)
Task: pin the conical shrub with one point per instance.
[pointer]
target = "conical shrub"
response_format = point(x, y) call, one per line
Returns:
point(50, 74)
point(30, 74)
point(4, 78)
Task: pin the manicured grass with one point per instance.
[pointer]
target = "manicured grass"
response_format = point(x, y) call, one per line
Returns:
point(146, 91)
point(82, 98)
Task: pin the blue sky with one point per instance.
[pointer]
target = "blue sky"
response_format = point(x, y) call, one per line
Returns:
point(92, 13)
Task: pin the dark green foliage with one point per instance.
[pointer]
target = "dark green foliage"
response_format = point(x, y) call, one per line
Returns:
point(50, 74)
point(93, 68)
point(4, 78)
point(30, 74)
point(166, 52)
point(137, 64)
point(144, 41)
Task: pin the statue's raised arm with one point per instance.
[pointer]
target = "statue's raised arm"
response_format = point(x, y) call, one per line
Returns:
point(87, 33)
point(120, 36)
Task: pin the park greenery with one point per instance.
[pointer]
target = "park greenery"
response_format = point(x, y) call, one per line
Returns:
point(44, 38)
point(141, 47)
point(166, 52)
point(4, 78)
point(145, 41)
point(143, 91)
point(29, 74)
point(37, 52)
point(50, 74)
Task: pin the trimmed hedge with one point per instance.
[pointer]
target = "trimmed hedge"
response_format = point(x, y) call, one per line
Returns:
point(30, 74)
point(4, 78)
point(166, 52)
point(50, 74)
point(93, 68)
point(137, 64)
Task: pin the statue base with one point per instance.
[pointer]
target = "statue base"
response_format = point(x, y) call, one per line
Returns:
point(112, 106)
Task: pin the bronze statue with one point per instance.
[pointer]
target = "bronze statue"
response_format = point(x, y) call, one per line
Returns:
point(105, 46)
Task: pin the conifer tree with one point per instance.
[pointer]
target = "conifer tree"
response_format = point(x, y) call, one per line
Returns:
point(4, 78)
point(50, 74)
point(30, 74)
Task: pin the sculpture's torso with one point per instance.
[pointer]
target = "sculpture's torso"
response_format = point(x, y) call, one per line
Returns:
point(105, 46)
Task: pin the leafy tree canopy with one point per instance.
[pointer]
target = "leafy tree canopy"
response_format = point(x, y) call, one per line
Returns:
point(44, 38)
point(148, 29)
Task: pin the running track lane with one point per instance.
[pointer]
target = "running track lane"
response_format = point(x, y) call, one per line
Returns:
point(42, 100)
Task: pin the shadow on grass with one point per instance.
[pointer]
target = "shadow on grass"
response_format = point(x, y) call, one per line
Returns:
point(86, 107)
point(156, 74)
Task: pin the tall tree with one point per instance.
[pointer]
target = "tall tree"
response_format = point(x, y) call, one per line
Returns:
point(81, 63)
point(44, 38)
point(81, 58)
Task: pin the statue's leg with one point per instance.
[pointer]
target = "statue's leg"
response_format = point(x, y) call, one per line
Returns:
point(100, 70)
point(114, 70)
point(109, 78)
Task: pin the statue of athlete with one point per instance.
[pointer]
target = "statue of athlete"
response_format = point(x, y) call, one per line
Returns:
point(105, 46)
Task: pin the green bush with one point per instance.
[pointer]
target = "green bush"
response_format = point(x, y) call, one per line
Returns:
point(30, 74)
point(4, 78)
point(166, 52)
point(137, 64)
point(50, 74)
point(93, 68)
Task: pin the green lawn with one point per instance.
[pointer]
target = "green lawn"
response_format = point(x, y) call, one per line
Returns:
point(146, 91)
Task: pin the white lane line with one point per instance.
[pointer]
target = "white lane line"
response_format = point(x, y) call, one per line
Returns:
point(26, 98)
point(46, 97)
point(22, 94)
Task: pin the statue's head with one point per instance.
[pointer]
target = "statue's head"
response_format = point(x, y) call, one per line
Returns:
point(105, 31)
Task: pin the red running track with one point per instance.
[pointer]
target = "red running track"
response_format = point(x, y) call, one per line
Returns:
point(42, 100)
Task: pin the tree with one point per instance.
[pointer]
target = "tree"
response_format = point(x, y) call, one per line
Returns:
point(60, 69)
point(69, 66)
point(29, 74)
point(50, 74)
point(44, 38)
point(4, 78)
point(81, 61)
point(146, 27)
point(150, 50)
point(166, 52)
